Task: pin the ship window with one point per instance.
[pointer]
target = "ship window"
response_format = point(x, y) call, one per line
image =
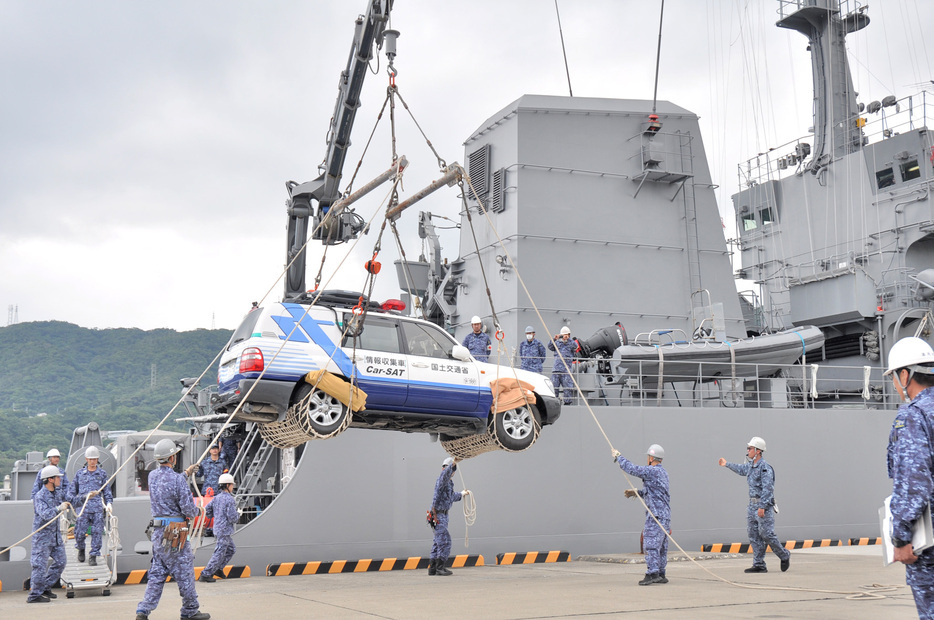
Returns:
point(749, 221)
point(885, 178)
point(767, 217)
point(910, 170)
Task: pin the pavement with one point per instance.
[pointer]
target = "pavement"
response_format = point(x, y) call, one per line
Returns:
point(821, 583)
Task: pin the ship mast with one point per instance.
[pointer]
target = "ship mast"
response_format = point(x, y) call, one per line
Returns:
point(836, 125)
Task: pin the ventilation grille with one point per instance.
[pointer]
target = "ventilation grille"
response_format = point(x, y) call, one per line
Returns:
point(478, 167)
point(497, 191)
point(843, 346)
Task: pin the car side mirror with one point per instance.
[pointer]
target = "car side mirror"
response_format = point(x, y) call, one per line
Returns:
point(460, 352)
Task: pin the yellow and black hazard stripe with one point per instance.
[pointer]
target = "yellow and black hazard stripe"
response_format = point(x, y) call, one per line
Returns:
point(790, 544)
point(364, 566)
point(533, 557)
point(142, 576)
point(866, 541)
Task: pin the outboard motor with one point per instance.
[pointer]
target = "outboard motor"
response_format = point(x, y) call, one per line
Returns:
point(602, 345)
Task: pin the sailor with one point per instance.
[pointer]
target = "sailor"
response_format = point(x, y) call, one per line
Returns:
point(54, 457)
point(46, 543)
point(211, 469)
point(564, 348)
point(223, 509)
point(229, 450)
point(444, 496)
point(658, 501)
point(909, 454)
point(477, 342)
point(531, 352)
point(89, 482)
point(760, 514)
point(171, 503)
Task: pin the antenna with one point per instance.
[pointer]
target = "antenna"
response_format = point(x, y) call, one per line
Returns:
point(563, 51)
point(658, 54)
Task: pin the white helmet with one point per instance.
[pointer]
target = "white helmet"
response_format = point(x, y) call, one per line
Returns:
point(909, 353)
point(49, 471)
point(92, 453)
point(447, 462)
point(225, 479)
point(530, 330)
point(474, 320)
point(53, 452)
point(164, 449)
point(756, 442)
point(656, 451)
point(566, 330)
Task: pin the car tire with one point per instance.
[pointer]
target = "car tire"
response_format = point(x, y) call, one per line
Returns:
point(325, 414)
point(516, 429)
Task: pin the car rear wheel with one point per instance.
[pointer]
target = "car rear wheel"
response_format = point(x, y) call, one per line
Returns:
point(516, 429)
point(325, 414)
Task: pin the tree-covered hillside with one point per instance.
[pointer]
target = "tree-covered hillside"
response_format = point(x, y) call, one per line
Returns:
point(56, 376)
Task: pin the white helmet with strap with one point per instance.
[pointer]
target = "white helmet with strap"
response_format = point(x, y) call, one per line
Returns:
point(913, 354)
point(49, 471)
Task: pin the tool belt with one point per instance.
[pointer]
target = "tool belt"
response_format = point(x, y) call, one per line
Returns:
point(441, 512)
point(174, 534)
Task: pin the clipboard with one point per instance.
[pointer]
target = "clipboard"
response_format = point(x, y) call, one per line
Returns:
point(922, 532)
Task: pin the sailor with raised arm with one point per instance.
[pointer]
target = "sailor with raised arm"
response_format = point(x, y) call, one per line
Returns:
point(658, 501)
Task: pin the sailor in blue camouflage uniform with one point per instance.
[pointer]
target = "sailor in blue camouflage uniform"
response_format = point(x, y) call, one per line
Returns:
point(46, 543)
point(223, 509)
point(561, 371)
point(531, 352)
point(760, 514)
point(211, 469)
point(477, 342)
point(658, 500)
point(444, 496)
point(909, 456)
point(90, 481)
point(170, 501)
point(54, 457)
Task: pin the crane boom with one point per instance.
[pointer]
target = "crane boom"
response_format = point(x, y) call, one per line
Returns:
point(324, 190)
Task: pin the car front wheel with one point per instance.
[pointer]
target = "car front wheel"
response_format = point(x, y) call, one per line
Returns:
point(516, 429)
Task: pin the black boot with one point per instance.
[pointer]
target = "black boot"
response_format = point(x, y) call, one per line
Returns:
point(649, 579)
point(81, 555)
point(661, 578)
point(442, 569)
point(432, 566)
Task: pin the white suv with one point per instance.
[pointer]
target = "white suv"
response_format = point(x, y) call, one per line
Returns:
point(416, 377)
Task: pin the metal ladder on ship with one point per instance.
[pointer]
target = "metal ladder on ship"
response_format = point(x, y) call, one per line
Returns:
point(251, 476)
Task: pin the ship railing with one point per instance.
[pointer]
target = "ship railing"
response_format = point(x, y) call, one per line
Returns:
point(790, 7)
point(893, 117)
point(722, 384)
point(898, 289)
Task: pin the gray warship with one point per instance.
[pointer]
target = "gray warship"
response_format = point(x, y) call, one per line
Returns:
point(835, 241)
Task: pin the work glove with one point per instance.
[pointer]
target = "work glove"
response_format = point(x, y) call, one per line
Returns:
point(191, 469)
point(63, 506)
point(465, 492)
point(93, 493)
point(629, 493)
point(616, 454)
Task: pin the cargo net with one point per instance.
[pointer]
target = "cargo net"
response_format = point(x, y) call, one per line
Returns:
point(295, 429)
point(475, 445)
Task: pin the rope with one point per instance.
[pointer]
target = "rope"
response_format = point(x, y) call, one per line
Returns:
point(469, 505)
point(850, 595)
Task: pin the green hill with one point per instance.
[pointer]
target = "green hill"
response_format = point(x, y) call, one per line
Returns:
point(55, 376)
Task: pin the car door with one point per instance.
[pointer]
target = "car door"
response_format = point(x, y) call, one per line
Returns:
point(438, 383)
point(381, 365)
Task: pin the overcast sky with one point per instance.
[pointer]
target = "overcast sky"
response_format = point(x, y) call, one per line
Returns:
point(144, 146)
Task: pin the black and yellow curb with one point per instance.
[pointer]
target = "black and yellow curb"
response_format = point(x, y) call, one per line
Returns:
point(866, 541)
point(135, 577)
point(364, 566)
point(532, 557)
point(790, 544)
